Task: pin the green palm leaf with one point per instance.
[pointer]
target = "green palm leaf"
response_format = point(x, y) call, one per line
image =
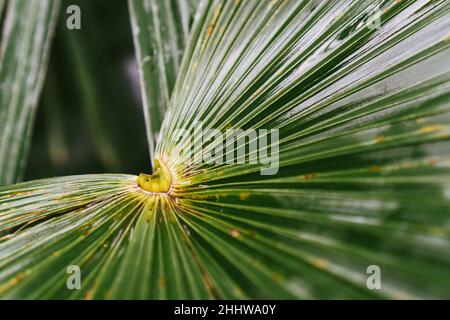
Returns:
point(160, 33)
point(364, 157)
point(27, 30)
point(2, 4)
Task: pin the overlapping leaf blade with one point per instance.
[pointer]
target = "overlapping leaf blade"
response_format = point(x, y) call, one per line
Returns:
point(160, 33)
point(27, 31)
point(2, 4)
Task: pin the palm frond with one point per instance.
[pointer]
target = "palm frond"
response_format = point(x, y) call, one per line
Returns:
point(160, 33)
point(363, 116)
point(27, 30)
point(2, 4)
point(364, 179)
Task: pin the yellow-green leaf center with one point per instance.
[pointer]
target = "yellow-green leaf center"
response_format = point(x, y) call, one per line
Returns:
point(159, 182)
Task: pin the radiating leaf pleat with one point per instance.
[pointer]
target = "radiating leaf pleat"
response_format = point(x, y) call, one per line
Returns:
point(363, 117)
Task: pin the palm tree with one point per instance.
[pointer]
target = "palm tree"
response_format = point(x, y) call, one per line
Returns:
point(359, 94)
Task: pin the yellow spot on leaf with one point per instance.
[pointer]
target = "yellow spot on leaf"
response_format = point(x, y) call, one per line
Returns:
point(309, 176)
point(380, 139)
point(12, 282)
point(374, 168)
point(244, 195)
point(17, 194)
point(211, 26)
point(89, 295)
point(277, 277)
point(237, 291)
point(162, 282)
point(432, 128)
point(420, 120)
point(319, 263)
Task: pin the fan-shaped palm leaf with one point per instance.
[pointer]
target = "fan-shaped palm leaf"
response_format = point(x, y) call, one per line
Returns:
point(364, 156)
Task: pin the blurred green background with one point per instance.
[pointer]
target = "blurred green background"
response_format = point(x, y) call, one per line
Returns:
point(90, 117)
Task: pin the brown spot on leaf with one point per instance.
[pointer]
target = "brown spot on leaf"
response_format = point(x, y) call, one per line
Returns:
point(309, 176)
point(277, 277)
point(89, 295)
point(17, 194)
point(162, 282)
point(379, 139)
